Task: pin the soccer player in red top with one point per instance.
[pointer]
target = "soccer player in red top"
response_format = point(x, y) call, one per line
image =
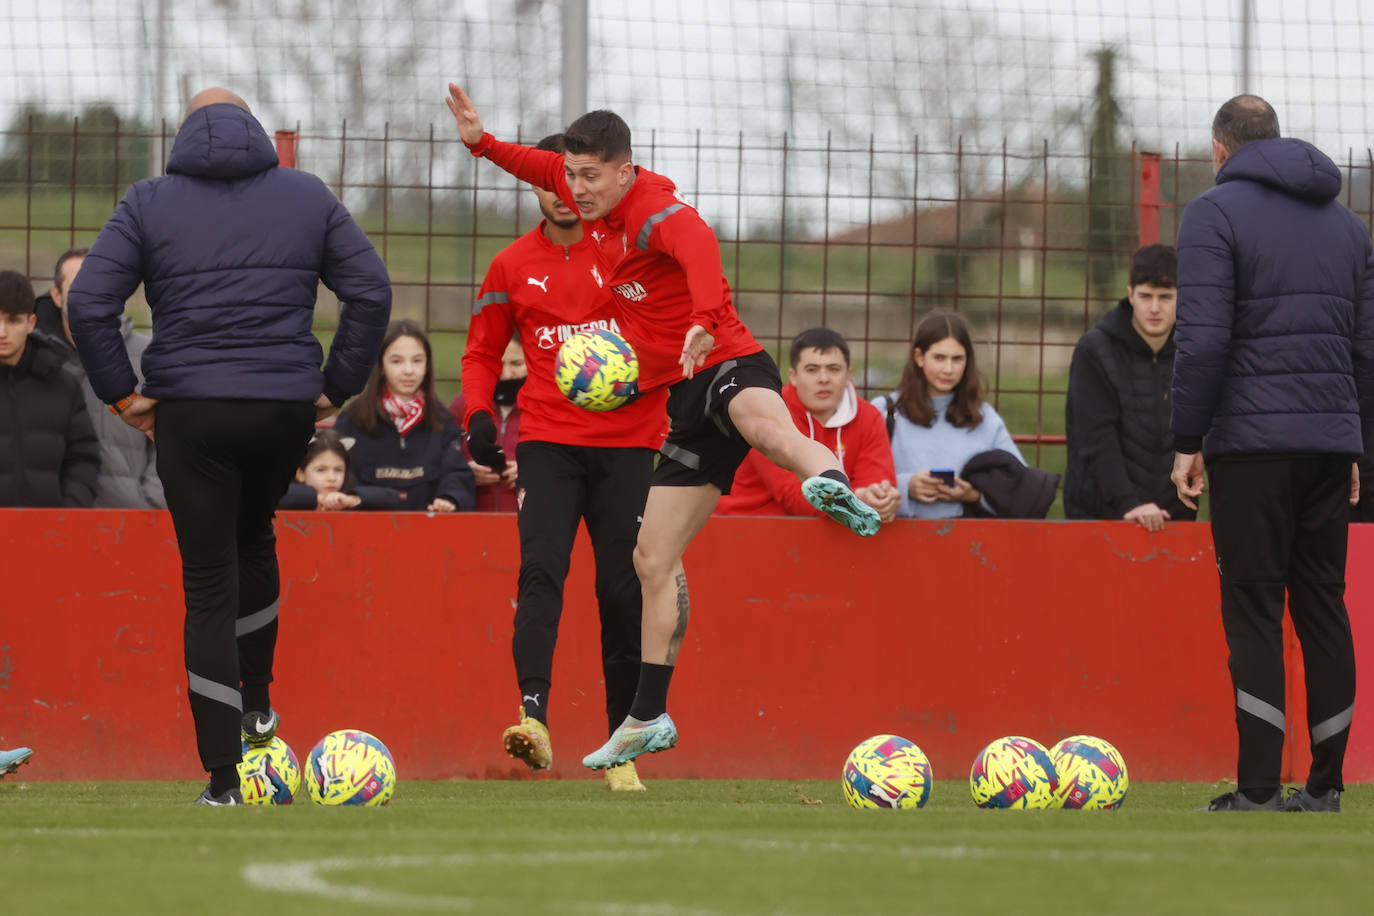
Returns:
point(674, 305)
point(573, 465)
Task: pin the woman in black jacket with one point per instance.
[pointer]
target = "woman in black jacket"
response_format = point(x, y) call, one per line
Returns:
point(404, 437)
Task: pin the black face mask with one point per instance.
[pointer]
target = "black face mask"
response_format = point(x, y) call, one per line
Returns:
point(506, 390)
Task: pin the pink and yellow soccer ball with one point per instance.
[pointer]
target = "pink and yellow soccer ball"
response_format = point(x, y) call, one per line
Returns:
point(1014, 772)
point(269, 773)
point(886, 772)
point(597, 370)
point(350, 767)
point(1092, 773)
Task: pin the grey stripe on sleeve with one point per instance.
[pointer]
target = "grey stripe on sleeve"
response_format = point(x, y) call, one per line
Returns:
point(495, 297)
point(642, 243)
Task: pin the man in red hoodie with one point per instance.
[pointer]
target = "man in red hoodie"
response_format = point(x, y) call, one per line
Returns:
point(673, 301)
point(825, 405)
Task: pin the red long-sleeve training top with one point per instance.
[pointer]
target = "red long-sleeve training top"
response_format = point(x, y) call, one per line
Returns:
point(549, 293)
point(662, 261)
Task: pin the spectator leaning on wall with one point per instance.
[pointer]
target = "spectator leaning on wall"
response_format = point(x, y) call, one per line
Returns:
point(49, 455)
point(820, 394)
point(1121, 451)
point(128, 458)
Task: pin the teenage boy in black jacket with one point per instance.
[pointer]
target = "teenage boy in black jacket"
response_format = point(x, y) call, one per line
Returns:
point(1121, 451)
point(49, 455)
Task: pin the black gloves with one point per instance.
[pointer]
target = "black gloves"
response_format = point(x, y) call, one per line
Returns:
point(482, 444)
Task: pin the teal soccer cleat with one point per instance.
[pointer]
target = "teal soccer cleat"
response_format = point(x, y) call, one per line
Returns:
point(13, 760)
point(839, 502)
point(630, 740)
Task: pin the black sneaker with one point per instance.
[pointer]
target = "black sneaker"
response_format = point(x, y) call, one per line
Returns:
point(260, 727)
point(1236, 801)
point(1302, 800)
point(232, 797)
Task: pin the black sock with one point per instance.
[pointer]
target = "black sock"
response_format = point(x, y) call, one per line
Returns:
point(835, 475)
point(224, 778)
point(534, 696)
point(257, 698)
point(1258, 796)
point(651, 699)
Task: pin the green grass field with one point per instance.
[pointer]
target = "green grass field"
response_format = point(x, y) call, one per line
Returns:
point(685, 847)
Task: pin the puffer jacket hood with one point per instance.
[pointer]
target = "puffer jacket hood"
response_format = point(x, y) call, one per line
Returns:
point(222, 142)
point(1295, 167)
point(1117, 324)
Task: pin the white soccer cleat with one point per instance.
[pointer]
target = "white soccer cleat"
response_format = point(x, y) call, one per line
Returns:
point(632, 739)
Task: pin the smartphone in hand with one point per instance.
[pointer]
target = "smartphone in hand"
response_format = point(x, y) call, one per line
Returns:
point(945, 476)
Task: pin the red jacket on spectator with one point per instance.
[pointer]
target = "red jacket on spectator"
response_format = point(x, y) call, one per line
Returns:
point(856, 433)
point(494, 497)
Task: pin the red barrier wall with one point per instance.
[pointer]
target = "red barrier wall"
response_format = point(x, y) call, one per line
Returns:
point(804, 640)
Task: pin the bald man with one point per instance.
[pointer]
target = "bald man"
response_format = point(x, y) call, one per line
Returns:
point(230, 249)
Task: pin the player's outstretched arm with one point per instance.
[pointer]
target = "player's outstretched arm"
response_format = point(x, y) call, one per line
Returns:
point(465, 113)
point(538, 167)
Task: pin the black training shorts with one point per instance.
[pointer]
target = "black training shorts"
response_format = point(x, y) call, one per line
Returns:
point(703, 446)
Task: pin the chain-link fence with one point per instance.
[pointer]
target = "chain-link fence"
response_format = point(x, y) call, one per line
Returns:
point(863, 161)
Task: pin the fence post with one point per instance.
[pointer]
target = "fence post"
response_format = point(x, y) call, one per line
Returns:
point(286, 148)
point(1150, 167)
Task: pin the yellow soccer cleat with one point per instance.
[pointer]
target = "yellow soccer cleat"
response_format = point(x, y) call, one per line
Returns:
point(529, 741)
point(624, 778)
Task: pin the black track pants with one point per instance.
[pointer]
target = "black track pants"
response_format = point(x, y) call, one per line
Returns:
point(1279, 525)
point(563, 484)
point(224, 465)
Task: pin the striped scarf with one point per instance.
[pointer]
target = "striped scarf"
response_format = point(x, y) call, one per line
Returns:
point(405, 414)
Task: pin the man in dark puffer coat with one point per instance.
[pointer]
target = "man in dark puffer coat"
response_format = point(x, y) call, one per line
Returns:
point(231, 249)
point(1121, 451)
point(1274, 386)
point(49, 455)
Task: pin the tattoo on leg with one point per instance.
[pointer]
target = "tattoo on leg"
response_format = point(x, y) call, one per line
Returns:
point(683, 613)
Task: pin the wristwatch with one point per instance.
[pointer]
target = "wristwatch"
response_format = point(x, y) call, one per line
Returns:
point(123, 404)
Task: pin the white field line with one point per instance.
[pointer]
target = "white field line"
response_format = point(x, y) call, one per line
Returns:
point(309, 878)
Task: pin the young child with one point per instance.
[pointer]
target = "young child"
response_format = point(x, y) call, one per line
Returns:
point(324, 474)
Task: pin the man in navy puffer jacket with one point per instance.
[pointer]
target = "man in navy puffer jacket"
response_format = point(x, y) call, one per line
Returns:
point(1274, 385)
point(230, 249)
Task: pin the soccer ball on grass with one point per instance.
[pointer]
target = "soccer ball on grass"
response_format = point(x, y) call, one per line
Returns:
point(1014, 772)
point(350, 767)
point(269, 773)
point(886, 772)
point(1092, 773)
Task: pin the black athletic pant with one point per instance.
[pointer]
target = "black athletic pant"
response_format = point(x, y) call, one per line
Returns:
point(1279, 525)
point(561, 485)
point(225, 465)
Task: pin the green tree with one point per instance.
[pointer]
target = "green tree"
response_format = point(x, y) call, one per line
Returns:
point(1109, 188)
point(92, 150)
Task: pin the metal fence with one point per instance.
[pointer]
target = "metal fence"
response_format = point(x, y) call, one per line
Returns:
point(1031, 246)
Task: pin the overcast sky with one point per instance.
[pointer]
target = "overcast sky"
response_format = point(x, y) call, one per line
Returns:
point(878, 67)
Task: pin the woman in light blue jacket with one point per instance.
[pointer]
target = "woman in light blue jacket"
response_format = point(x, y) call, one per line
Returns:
point(939, 421)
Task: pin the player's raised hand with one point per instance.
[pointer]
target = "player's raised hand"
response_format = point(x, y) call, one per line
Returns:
point(695, 346)
point(465, 113)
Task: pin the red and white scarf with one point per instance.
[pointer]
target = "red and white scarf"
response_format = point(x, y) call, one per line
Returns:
point(405, 414)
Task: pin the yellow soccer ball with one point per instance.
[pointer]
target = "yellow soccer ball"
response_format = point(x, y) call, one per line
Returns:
point(350, 767)
point(1014, 772)
point(1092, 773)
point(597, 370)
point(886, 772)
